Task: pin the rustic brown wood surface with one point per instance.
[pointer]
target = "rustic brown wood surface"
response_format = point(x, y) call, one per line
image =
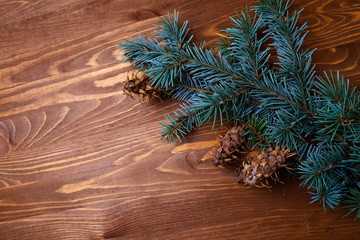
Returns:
point(81, 160)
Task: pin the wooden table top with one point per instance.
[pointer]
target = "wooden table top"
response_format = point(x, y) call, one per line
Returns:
point(81, 160)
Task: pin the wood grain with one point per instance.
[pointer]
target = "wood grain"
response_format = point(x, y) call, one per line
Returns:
point(81, 160)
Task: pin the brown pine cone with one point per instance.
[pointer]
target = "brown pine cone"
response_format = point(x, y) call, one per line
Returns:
point(230, 146)
point(261, 166)
point(141, 87)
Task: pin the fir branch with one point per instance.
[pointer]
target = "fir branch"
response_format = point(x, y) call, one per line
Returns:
point(188, 87)
point(223, 44)
point(178, 126)
point(206, 66)
point(246, 45)
point(193, 88)
point(295, 64)
point(329, 196)
point(353, 202)
point(337, 90)
point(210, 106)
point(287, 105)
point(255, 128)
point(140, 51)
point(324, 168)
point(175, 38)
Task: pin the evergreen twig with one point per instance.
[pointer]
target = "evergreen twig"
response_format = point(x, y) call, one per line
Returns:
point(286, 104)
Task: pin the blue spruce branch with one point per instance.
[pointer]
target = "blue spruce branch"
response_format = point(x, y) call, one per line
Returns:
point(285, 104)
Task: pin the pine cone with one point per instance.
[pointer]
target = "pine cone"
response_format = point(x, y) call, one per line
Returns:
point(230, 146)
point(261, 166)
point(141, 86)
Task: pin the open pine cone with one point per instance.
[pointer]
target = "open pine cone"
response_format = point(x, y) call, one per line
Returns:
point(259, 166)
point(230, 146)
point(141, 87)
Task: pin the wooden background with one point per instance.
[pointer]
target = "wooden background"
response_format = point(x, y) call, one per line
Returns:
point(81, 160)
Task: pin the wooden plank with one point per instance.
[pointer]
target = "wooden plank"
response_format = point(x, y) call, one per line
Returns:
point(81, 160)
